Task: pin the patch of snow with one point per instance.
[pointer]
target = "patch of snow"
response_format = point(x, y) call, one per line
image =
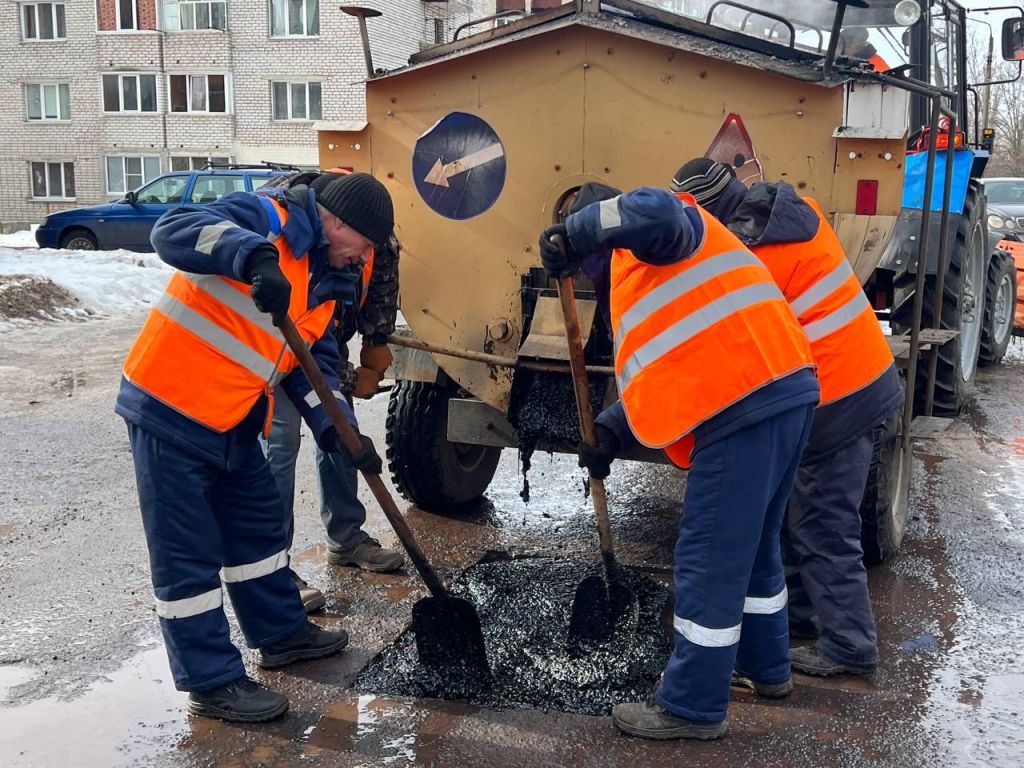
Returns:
point(24, 238)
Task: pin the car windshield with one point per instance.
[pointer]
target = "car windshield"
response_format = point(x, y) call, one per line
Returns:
point(874, 35)
point(1010, 191)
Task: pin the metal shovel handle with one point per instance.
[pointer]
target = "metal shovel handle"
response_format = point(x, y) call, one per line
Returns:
point(354, 446)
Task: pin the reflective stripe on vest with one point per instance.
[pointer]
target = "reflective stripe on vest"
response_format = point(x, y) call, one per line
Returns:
point(695, 337)
point(849, 347)
point(207, 352)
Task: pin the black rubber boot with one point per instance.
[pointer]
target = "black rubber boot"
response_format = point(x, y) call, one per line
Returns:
point(310, 642)
point(240, 701)
point(649, 720)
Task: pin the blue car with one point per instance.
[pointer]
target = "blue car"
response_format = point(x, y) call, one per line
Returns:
point(127, 223)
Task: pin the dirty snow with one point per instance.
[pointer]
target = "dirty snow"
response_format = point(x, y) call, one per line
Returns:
point(47, 284)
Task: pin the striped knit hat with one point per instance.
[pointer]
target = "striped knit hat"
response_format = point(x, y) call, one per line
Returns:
point(704, 179)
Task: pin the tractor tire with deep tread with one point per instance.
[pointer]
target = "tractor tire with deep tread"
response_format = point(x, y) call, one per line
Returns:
point(1000, 302)
point(434, 474)
point(883, 510)
point(962, 310)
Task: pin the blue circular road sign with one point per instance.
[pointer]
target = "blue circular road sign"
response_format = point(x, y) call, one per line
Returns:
point(459, 166)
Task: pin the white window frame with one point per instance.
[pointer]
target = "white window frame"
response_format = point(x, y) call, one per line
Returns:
point(207, 158)
point(290, 118)
point(48, 196)
point(124, 171)
point(166, 24)
point(287, 19)
point(228, 101)
point(53, 13)
point(138, 90)
point(135, 17)
point(42, 102)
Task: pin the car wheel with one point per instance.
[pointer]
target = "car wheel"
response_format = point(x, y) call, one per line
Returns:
point(78, 240)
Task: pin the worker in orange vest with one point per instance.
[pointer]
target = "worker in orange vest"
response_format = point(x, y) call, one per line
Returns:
point(197, 391)
point(854, 43)
point(369, 305)
point(713, 368)
point(860, 387)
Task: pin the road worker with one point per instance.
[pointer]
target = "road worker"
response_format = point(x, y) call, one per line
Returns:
point(198, 389)
point(369, 306)
point(713, 368)
point(860, 387)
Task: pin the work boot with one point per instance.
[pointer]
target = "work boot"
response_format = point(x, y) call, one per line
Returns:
point(812, 661)
point(368, 555)
point(649, 720)
point(240, 701)
point(764, 690)
point(312, 598)
point(310, 642)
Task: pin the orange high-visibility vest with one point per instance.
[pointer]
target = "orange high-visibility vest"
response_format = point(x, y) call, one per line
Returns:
point(695, 337)
point(847, 342)
point(206, 350)
point(877, 63)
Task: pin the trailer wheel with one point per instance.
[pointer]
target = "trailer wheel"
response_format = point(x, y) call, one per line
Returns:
point(883, 510)
point(1000, 302)
point(963, 310)
point(428, 470)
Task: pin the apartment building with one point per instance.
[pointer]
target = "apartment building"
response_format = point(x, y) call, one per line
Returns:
point(99, 96)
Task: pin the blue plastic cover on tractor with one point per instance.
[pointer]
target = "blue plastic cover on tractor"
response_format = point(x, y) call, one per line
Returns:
point(913, 182)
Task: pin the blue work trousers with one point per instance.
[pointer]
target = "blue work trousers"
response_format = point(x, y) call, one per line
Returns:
point(730, 588)
point(203, 525)
point(340, 509)
point(828, 585)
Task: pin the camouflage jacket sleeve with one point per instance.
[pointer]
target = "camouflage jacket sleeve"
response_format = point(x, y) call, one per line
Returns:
point(376, 320)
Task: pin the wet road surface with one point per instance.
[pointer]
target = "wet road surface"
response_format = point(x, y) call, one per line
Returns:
point(84, 680)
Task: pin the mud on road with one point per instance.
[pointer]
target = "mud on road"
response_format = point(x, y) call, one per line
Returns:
point(84, 679)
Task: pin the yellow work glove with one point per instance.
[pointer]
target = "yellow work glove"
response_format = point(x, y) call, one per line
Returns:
point(374, 361)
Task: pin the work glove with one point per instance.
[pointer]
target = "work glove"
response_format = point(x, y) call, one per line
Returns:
point(367, 459)
point(270, 291)
point(374, 361)
point(558, 258)
point(598, 458)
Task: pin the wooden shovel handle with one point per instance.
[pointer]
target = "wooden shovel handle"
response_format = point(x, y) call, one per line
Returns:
point(354, 445)
point(578, 366)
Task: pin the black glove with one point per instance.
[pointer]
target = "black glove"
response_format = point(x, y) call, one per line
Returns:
point(598, 458)
point(556, 252)
point(271, 291)
point(368, 460)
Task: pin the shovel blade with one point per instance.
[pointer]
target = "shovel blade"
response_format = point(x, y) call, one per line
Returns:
point(449, 639)
point(600, 609)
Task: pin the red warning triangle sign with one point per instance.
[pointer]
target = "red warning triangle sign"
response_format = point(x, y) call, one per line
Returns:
point(732, 146)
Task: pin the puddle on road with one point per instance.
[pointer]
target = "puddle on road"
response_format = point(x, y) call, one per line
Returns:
point(133, 714)
point(524, 610)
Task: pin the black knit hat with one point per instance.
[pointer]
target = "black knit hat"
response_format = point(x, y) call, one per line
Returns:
point(322, 180)
point(705, 179)
point(362, 202)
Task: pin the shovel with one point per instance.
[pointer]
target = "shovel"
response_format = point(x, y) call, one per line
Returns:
point(604, 603)
point(448, 635)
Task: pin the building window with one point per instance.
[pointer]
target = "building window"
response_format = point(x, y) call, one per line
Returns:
point(193, 163)
point(46, 101)
point(295, 101)
point(198, 93)
point(195, 14)
point(127, 172)
point(294, 18)
point(127, 15)
point(42, 21)
point(129, 93)
point(53, 181)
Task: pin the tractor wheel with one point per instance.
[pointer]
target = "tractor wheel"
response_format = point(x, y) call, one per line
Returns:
point(428, 470)
point(1000, 301)
point(963, 310)
point(883, 510)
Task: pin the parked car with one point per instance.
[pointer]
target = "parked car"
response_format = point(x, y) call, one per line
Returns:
point(127, 223)
point(1005, 206)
